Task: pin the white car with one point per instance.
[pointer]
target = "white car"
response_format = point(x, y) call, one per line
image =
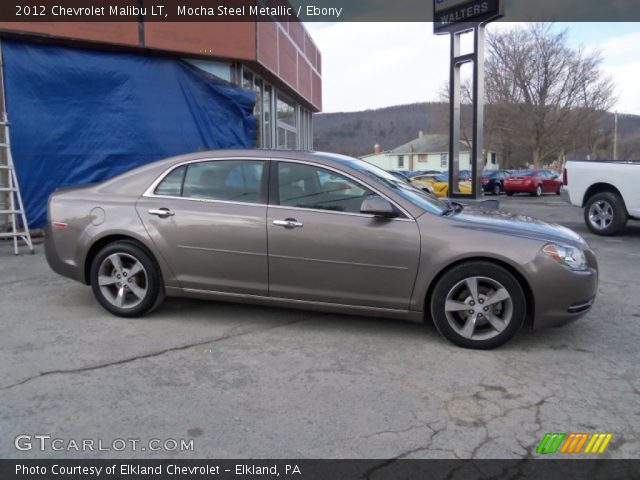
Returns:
point(609, 192)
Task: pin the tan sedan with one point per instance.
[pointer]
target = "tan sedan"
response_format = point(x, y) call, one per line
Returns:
point(316, 231)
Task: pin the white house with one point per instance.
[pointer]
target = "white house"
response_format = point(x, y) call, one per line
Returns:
point(427, 152)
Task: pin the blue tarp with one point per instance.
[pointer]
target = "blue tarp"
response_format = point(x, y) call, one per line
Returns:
point(81, 116)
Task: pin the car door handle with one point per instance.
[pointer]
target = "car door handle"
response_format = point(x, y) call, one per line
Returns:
point(288, 223)
point(162, 212)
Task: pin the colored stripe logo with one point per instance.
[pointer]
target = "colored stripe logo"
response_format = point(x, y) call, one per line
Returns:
point(574, 443)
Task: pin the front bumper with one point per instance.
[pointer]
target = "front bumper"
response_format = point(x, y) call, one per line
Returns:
point(562, 296)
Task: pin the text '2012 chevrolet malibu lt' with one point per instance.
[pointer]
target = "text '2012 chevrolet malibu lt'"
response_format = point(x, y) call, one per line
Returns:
point(316, 231)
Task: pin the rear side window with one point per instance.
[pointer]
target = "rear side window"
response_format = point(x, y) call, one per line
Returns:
point(227, 180)
point(171, 186)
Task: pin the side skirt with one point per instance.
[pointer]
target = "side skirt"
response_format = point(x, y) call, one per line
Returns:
point(408, 315)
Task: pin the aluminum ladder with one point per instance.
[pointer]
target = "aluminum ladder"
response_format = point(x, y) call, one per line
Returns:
point(9, 186)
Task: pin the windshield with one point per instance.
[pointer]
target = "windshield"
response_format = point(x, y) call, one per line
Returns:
point(404, 189)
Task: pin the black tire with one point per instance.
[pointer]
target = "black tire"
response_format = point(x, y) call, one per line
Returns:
point(513, 309)
point(147, 280)
point(538, 192)
point(509, 194)
point(497, 189)
point(559, 190)
point(612, 204)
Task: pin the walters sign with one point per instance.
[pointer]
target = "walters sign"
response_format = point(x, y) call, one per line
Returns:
point(449, 14)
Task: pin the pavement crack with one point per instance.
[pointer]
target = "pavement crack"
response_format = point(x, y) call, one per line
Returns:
point(124, 361)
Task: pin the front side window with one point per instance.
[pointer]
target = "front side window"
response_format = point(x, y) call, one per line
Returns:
point(306, 186)
point(227, 180)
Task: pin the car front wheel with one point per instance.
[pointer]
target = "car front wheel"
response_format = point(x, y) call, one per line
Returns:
point(478, 305)
point(125, 280)
point(496, 189)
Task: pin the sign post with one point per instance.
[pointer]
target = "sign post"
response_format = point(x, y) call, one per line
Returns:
point(456, 17)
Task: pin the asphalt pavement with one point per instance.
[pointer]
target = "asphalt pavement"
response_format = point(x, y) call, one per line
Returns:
point(243, 381)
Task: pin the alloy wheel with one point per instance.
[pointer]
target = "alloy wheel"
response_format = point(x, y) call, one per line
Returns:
point(478, 308)
point(601, 214)
point(123, 280)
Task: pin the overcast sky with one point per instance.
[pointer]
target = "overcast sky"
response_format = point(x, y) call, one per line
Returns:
point(374, 65)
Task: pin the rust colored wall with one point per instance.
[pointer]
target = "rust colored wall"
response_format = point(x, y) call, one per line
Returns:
point(119, 33)
point(287, 50)
point(233, 40)
point(284, 49)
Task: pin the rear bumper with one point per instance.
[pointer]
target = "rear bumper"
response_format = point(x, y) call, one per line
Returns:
point(519, 188)
point(68, 268)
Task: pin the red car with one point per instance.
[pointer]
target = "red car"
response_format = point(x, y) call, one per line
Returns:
point(535, 182)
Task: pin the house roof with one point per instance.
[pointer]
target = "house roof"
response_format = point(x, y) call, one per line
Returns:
point(431, 143)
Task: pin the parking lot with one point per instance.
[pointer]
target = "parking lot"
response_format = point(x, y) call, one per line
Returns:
point(258, 382)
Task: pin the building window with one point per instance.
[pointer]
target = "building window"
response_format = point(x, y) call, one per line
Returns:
point(400, 161)
point(282, 123)
point(287, 123)
point(267, 134)
point(493, 158)
point(444, 160)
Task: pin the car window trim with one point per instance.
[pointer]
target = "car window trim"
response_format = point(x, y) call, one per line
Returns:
point(267, 197)
point(274, 200)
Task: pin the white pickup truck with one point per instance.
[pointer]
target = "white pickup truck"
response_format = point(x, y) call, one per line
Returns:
point(609, 192)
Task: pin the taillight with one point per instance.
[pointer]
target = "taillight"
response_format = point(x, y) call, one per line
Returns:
point(565, 177)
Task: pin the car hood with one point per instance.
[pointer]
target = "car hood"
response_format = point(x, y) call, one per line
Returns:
point(506, 223)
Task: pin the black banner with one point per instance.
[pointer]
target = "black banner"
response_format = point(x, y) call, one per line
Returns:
point(319, 469)
point(309, 11)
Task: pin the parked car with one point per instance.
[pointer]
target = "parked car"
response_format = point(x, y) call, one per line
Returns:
point(534, 182)
point(399, 175)
point(426, 188)
point(424, 172)
point(439, 183)
point(608, 191)
point(493, 181)
point(315, 231)
point(465, 175)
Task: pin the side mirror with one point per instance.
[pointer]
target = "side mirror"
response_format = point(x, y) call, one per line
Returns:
point(379, 207)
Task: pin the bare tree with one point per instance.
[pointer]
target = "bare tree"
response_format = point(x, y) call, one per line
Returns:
point(544, 94)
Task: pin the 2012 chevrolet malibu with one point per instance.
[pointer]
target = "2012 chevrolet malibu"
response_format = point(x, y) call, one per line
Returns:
point(316, 231)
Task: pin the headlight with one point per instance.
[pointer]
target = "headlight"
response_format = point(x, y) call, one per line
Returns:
point(571, 257)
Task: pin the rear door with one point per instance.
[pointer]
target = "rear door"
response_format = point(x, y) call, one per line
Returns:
point(322, 249)
point(208, 220)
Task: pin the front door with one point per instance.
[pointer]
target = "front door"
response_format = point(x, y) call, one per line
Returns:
point(322, 249)
point(208, 220)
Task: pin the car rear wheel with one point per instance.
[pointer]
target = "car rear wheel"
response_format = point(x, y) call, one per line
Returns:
point(538, 192)
point(478, 305)
point(125, 280)
point(509, 194)
point(496, 189)
point(605, 214)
